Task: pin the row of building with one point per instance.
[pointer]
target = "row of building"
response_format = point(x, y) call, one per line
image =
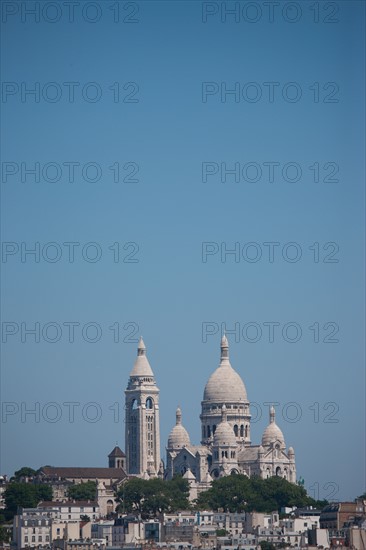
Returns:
point(79, 525)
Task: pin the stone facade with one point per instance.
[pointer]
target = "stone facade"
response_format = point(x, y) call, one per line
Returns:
point(142, 419)
point(226, 446)
point(108, 480)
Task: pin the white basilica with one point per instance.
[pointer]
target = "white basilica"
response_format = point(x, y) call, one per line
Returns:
point(225, 447)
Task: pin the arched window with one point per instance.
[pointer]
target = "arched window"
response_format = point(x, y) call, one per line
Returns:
point(134, 405)
point(208, 431)
point(242, 430)
point(213, 429)
point(149, 403)
point(246, 430)
point(236, 430)
point(278, 471)
point(204, 431)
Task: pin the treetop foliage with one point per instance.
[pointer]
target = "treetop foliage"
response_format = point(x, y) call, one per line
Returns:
point(150, 497)
point(83, 491)
point(239, 493)
point(24, 472)
point(25, 495)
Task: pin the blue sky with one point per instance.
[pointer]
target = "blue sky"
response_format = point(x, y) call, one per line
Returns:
point(162, 62)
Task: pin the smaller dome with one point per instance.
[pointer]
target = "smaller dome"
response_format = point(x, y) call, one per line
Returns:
point(272, 433)
point(291, 451)
point(178, 437)
point(224, 434)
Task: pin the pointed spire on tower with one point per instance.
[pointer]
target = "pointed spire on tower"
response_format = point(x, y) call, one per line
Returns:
point(224, 347)
point(141, 349)
point(178, 416)
point(141, 366)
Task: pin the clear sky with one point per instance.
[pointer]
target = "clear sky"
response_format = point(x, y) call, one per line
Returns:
point(132, 132)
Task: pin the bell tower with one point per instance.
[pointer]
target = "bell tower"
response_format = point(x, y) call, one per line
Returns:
point(142, 430)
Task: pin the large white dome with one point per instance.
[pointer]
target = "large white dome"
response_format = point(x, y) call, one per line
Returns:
point(225, 384)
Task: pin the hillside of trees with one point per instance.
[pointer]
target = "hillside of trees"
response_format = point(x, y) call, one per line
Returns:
point(233, 494)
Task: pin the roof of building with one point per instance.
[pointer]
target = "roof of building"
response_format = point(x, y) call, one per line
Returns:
point(189, 475)
point(225, 384)
point(178, 437)
point(248, 454)
point(86, 473)
point(67, 504)
point(307, 511)
point(116, 453)
point(142, 365)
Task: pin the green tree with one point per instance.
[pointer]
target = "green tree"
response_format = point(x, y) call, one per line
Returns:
point(4, 534)
point(177, 491)
point(153, 496)
point(239, 493)
point(229, 493)
point(83, 491)
point(26, 495)
point(265, 545)
point(23, 472)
